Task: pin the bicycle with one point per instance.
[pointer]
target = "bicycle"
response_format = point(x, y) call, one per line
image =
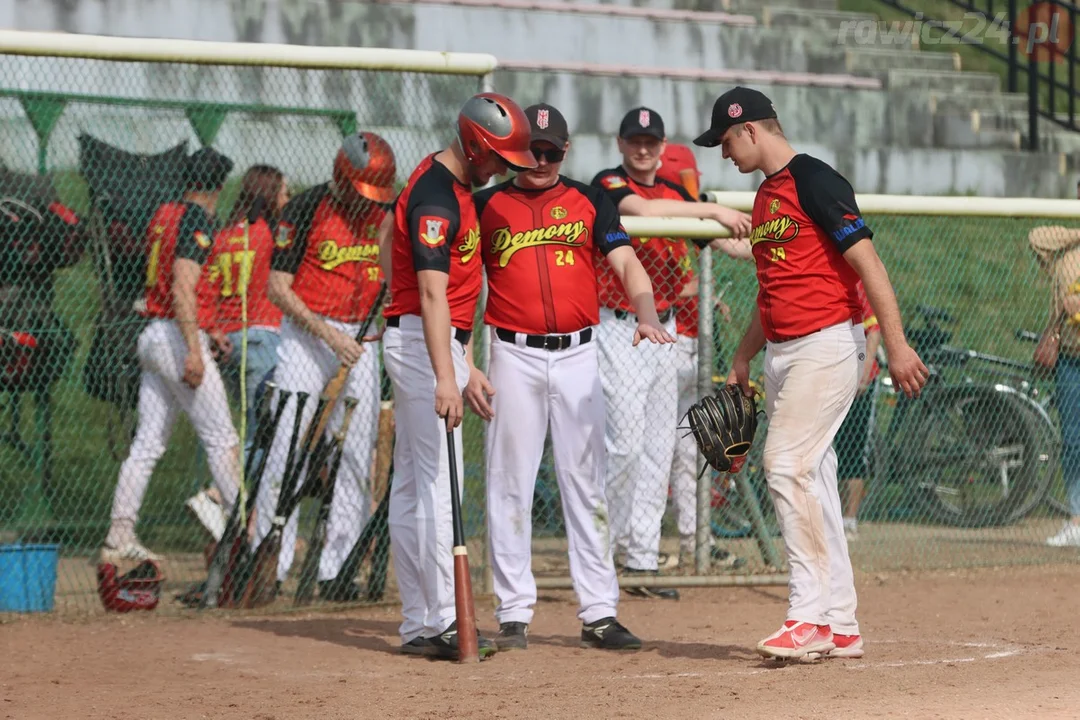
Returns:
point(967, 453)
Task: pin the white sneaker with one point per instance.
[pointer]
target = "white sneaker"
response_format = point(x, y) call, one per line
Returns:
point(1068, 537)
point(208, 512)
point(132, 550)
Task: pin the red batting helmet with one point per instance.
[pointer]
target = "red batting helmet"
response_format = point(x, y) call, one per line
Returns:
point(366, 162)
point(138, 589)
point(490, 122)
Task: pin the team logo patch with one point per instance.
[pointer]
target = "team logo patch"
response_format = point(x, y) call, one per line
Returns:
point(433, 230)
point(283, 238)
point(372, 230)
point(774, 205)
point(541, 119)
point(852, 224)
point(734, 110)
point(558, 212)
point(202, 239)
point(643, 118)
point(613, 182)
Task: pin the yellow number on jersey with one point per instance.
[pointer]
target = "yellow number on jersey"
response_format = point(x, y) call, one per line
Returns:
point(564, 257)
point(373, 274)
point(154, 260)
point(226, 264)
point(776, 254)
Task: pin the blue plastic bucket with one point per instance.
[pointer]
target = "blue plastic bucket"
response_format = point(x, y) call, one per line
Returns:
point(28, 577)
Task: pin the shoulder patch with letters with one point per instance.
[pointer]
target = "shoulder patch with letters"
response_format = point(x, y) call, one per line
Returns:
point(612, 182)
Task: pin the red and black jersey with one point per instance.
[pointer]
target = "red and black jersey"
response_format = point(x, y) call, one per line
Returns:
point(178, 230)
point(686, 317)
point(333, 255)
point(231, 272)
point(805, 218)
point(545, 244)
point(435, 228)
point(667, 260)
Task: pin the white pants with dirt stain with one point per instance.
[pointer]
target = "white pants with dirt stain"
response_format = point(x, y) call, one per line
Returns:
point(810, 383)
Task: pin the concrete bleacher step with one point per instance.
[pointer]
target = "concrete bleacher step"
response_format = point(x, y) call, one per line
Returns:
point(1052, 136)
point(832, 24)
point(946, 81)
point(878, 62)
point(757, 7)
point(985, 102)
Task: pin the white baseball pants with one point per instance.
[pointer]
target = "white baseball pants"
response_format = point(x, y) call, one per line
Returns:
point(421, 526)
point(810, 383)
point(684, 463)
point(306, 364)
point(162, 392)
point(532, 388)
point(640, 392)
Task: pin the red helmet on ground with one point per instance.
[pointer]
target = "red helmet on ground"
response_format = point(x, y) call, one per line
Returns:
point(366, 162)
point(493, 123)
point(138, 589)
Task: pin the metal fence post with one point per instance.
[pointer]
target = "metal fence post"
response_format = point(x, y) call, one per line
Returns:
point(487, 84)
point(706, 343)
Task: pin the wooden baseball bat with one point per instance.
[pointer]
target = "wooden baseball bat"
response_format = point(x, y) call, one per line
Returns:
point(468, 645)
point(337, 383)
point(384, 451)
point(309, 571)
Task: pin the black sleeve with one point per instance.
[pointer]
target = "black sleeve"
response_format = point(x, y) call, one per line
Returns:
point(608, 232)
point(827, 198)
point(291, 234)
point(614, 185)
point(433, 218)
point(196, 235)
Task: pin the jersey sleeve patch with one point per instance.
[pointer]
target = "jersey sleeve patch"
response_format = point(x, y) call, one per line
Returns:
point(433, 229)
point(612, 182)
point(607, 229)
point(291, 235)
point(828, 199)
point(195, 238)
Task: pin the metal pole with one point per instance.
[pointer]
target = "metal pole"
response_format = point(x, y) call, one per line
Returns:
point(706, 343)
point(1033, 104)
point(487, 84)
point(1013, 39)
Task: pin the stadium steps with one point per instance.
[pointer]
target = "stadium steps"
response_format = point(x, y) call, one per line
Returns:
point(946, 81)
point(877, 62)
point(757, 7)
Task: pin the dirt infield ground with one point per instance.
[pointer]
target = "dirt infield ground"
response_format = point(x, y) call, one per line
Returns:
point(973, 644)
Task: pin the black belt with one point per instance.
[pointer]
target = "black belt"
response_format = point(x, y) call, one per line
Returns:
point(546, 342)
point(624, 314)
point(462, 336)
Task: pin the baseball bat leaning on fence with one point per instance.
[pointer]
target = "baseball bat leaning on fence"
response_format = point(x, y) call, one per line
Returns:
point(384, 450)
point(260, 583)
point(233, 549)
point(337, 383)
point(468, 643)
point(310, 569)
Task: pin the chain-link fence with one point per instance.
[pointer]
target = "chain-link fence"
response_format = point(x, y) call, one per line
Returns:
point(105, 452)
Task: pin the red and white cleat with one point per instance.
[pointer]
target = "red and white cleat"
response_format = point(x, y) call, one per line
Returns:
point(797, 640)
point(847, 646)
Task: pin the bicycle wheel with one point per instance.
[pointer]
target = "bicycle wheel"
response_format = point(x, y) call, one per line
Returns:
point(974, 455)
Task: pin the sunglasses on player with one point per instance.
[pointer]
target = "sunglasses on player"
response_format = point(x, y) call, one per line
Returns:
point(552, 155)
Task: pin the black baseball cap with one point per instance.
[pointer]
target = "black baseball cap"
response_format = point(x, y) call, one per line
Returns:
point(548, 124)
point(642, 121)
point(738, 105)
point(207, 169)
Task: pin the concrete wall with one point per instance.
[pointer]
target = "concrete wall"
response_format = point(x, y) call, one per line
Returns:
point(885, 141)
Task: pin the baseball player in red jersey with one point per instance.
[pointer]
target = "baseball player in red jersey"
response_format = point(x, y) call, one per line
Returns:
point(435, 277)
point(231, 273)
point(542, 236)
point(641, 388)
point(678, 166)
point(178, 371)
point(325, 277)
point(812, 247)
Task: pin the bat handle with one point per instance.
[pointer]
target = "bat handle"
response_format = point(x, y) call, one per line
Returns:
point(455, 493)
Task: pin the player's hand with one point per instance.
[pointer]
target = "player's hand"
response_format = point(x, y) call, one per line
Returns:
point(376, 337)
point(193, 369)
point(220, 345)
point(724, 310)
point(347, 350)
point(478, 393)
point(653, 333)
point(1046, 352)
point(740, 375)
point(907, 370)
point(739, 223)
point(448, 403)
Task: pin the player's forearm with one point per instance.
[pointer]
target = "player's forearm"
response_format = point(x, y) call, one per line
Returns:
point(435, 315)
point(280, 292)
point(753, 340)
point(883, 301)
point(635, 280)
point(185, 278)
point(663, 207)
point(873, 342)
point(737, 249)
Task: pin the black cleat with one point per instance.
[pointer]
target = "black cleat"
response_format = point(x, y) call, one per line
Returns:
point(512, 636)
point(416, 646)
point(608, 634)
point(445, 645)
point(649, 592)
point(722, 558)
point(331, 592)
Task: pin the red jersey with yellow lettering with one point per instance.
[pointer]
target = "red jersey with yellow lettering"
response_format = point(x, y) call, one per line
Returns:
point(667, 260)
point(435, 228)
point(541, 249)
point(178, 230)
point(333, 255)
point(231, 272)
point(805, 218)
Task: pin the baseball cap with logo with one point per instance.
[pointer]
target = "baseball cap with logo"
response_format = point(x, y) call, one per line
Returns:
point(547, 124)
point(642, 121)
point(738, 105)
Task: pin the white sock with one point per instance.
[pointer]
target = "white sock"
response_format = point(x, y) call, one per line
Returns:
point(851, 523)
point(121, 532)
